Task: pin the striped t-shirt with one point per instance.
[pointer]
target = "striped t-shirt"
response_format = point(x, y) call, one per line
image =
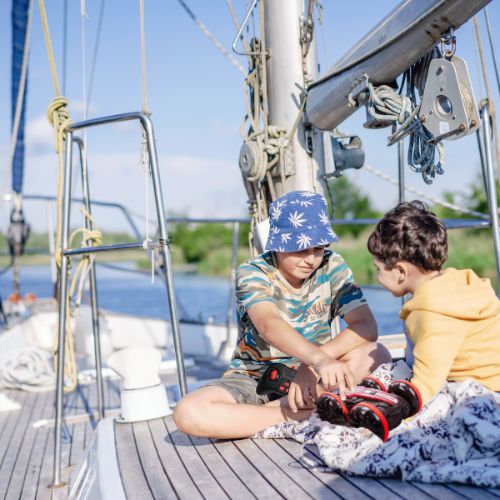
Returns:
point(330, 291)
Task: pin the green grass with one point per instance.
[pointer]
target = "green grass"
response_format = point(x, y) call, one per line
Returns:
point(467, 249)
point(473, 249)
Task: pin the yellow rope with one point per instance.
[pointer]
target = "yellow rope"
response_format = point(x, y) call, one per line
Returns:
point(59, 118)
point(90, 237)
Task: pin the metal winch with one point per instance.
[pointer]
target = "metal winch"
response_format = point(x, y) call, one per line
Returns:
point(252, 161)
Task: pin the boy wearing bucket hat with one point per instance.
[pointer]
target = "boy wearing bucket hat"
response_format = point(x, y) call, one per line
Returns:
point(286, 300)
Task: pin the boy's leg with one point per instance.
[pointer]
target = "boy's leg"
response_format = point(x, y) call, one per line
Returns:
point(365, 358)
point(213, 412)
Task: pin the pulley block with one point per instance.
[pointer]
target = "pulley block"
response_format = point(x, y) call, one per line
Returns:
point(448, 109)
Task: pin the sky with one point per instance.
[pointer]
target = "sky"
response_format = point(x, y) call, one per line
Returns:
point(196, 99)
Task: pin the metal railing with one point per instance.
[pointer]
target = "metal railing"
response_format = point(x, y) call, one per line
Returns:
point(162, 244)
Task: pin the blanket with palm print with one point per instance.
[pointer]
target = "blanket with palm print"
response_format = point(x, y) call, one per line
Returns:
point(454, 438)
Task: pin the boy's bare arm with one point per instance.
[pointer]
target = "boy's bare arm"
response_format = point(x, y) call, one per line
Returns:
point(361, 328)
point(278, 333)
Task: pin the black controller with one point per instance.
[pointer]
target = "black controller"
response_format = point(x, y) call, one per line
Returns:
point(276, 380)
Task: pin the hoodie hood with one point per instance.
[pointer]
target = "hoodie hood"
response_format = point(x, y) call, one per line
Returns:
point(457, 293)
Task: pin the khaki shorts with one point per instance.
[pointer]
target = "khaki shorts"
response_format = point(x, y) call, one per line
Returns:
point(242, 388)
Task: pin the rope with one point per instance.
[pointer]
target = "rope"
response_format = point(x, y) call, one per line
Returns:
point(58, 116)
point(425, 196)
point(48, 44)
point(212, 38)
point(27, 369)
point(386, 105)
point(266, 138)
point(90, 237)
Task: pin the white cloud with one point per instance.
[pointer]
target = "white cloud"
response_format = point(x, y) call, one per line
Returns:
point(39, 136)
point(194, 186)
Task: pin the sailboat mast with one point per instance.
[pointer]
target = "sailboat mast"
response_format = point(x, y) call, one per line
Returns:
point(291, 64)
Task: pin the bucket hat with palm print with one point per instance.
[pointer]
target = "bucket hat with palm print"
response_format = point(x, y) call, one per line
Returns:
point(299, 220)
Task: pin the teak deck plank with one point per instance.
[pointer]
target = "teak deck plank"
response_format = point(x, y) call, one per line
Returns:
point(13, 437)
point(241, 466)
point(471, 491)
point(20, 467)
point(285, 461)
point(135, 484)
point(405, 489)
point(172, 465)
point(283, 481)
point(156, 478)
point(375, 487)
point(339, 483)
point(40, 448)
point(198, 471)
point(234, 485)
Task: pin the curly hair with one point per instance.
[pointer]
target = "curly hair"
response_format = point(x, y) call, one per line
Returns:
point(410, 233)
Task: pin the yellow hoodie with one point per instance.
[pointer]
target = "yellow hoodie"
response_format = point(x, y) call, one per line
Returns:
point(453, 321)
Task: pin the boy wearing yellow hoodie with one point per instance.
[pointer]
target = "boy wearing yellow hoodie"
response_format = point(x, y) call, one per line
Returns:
point(453, 318)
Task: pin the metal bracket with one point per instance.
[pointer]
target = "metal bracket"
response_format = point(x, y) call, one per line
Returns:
point(240, 31)
point(358, 86)
point(448, 135)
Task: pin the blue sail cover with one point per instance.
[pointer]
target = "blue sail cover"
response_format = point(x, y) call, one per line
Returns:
point(19, 22)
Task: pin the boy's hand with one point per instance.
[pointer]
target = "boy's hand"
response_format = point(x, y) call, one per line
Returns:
point(303, 390)
point(333, 374)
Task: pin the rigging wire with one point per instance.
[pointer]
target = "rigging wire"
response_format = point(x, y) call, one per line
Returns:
point(64, 45)
point(488, 28)
point(491, 102)
point(425, 196)
point(96, 49)
point(143, 61)
point(212, 38)
point(233, 14)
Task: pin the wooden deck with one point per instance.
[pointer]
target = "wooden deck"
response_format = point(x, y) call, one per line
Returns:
point(158, 461)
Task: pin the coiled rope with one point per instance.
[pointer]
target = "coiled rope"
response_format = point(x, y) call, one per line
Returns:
point(27, 369)
point(385, 104)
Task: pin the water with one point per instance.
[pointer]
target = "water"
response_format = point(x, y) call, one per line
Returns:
point(201, 298)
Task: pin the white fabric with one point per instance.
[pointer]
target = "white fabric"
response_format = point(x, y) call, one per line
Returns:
point(455, 437)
